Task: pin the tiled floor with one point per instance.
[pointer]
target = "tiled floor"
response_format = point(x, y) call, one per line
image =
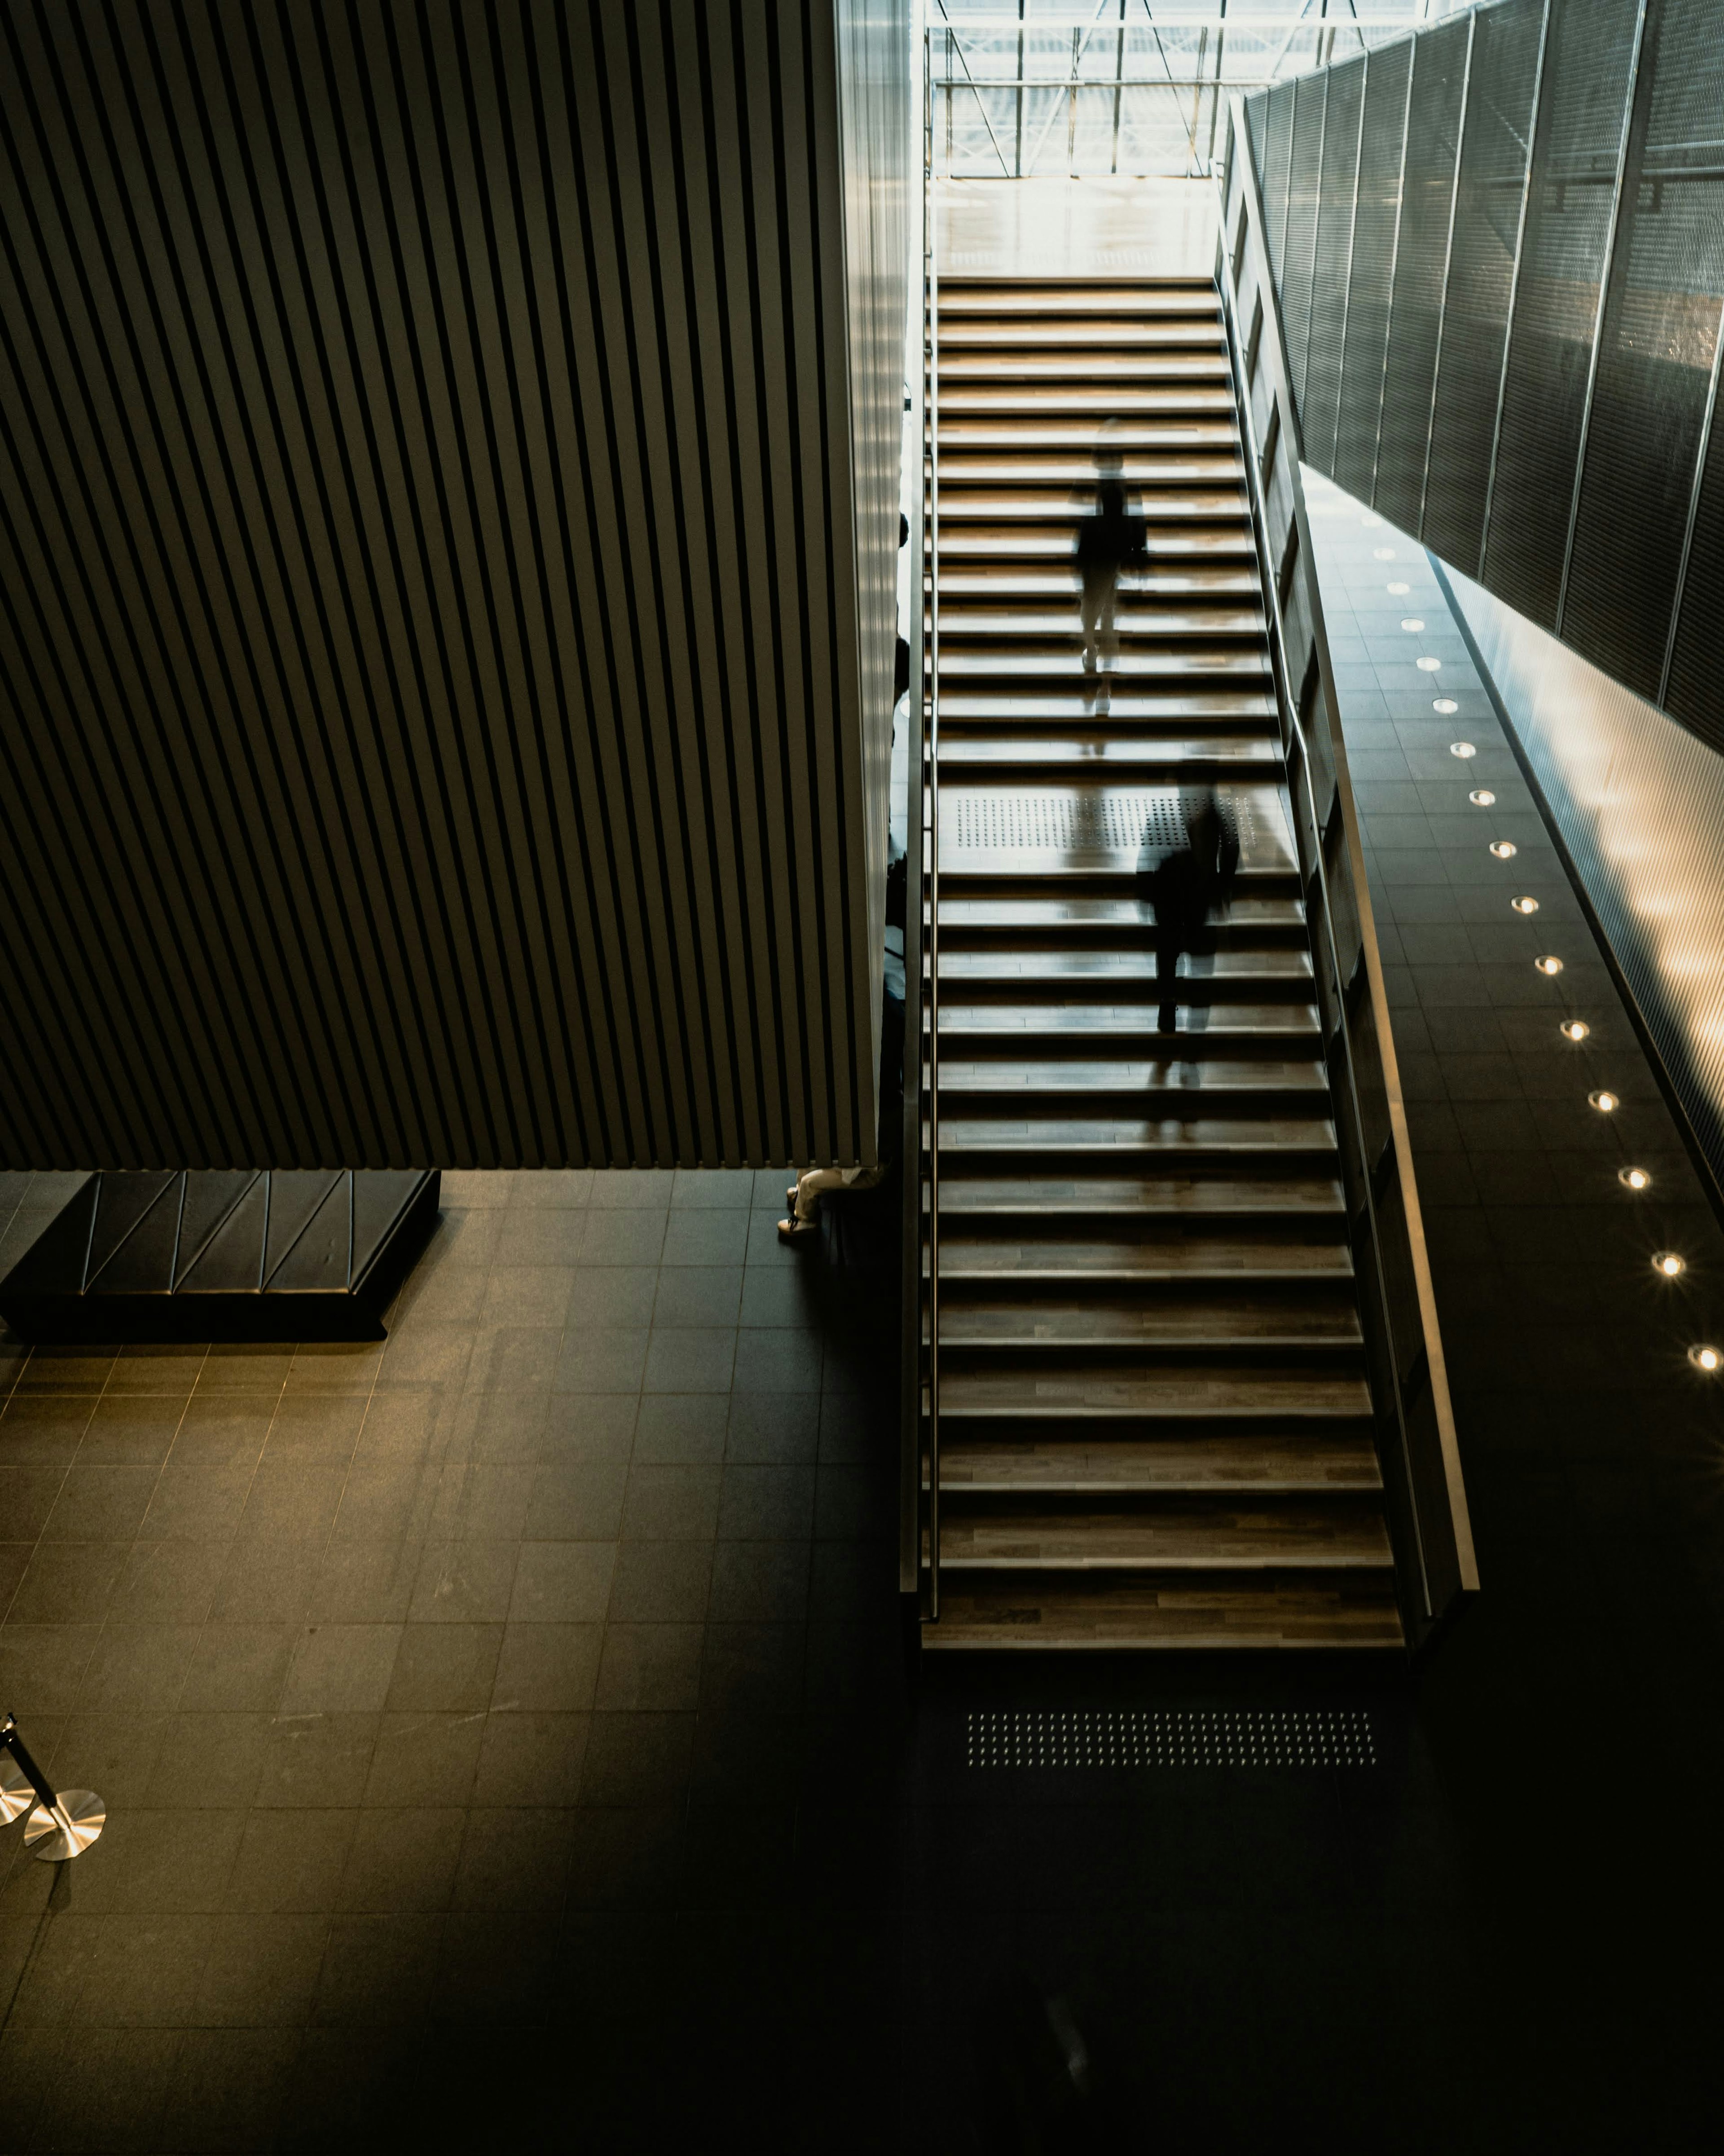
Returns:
point(421, 1679)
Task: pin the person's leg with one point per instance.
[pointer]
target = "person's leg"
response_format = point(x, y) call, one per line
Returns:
point(1107, 601)
point(1089, 600)
point(802, 1220)
point(1168, 944)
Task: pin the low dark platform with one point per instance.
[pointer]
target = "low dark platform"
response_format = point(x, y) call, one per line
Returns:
point(217, 1254)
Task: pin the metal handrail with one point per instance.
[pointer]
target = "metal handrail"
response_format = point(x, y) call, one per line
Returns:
point(933, 261)
point(1460, 1566)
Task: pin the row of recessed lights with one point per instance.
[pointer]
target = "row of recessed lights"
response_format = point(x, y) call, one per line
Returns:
point(1668, 1265)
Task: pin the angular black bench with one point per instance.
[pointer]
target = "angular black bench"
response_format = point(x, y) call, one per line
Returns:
point(217, 1254)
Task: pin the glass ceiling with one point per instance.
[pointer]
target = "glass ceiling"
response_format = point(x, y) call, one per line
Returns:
point(1023, 89)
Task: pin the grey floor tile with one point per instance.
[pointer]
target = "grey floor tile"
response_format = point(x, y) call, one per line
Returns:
point(688, 1358)
point(651, 1666)
point(661, 1582)
point(671, 1503)
point(562, 1582)
point(681, 1428)
point(547, 1668)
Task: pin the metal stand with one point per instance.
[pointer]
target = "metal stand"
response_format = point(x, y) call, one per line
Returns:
point(58, 1827)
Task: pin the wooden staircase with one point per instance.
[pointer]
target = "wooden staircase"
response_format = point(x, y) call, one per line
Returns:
point(1154, 1425)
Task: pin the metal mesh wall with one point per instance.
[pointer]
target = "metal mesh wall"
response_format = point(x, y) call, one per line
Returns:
point(1587, 57)
point(1481, 264)
point(1433, 134)
point(1695, 691)
point(1376, 213)
point(1309, 114)
point(1334, 248)
point(1504, 313)
point(1274, 171)
point(1655, 353)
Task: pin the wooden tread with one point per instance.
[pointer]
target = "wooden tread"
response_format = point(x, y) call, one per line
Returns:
point(1138, 1615)
point(1261, 1463)
point(1156, 1431)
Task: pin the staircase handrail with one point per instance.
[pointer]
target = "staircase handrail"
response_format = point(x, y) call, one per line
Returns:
point(1427, 1508)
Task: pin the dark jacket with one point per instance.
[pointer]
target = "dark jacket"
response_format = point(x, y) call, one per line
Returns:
point(1111, 535)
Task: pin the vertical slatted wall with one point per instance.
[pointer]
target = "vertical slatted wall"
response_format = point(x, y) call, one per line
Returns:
point(1534, 291)
point(448, 521)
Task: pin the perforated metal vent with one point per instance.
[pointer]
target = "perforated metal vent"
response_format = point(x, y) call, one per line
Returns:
point(1170, 1737)
point(1116, 823)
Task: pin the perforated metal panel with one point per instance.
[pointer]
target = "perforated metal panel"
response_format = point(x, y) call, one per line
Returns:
point(1655, 353)
point(1321, 391)
point(1432, 136)
point(1694, 693)
point(1487, 219)
point(1169, 1737)
point(1300, 257)
point(1373, 250)
point(1278, 150)
point(1581, 117)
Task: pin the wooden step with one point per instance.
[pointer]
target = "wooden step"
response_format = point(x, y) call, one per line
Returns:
point(1006, 621)
point(1106, 1392)
point(972, 753)
point(1099, 368)
point(1100, 1263)
point(960, 293)
point(1134, 710)
point(1143, 585)
point(1119, 1138)
point(1193, 542)
point(1138, 1615)
point(1059, 513)
point(1066, 917)
point(1094, 400)
point(1212, 1194)
point(1260, 1462)
point(1126, 971)
point(1242, 1324)
point(1031, 431)
point(1194, 1534)
point(1094, 335)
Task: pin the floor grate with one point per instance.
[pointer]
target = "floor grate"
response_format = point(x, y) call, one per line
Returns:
point(1115, 823)
point(1171, 1736)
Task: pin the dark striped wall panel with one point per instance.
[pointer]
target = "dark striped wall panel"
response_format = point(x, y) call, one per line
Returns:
point(448, 505)
point(1590, 52)
point(1371, 266)
point(1320, 398)
point(1421, 265)
point(1655, 354)
point(1532, 295)
point(1507, 43)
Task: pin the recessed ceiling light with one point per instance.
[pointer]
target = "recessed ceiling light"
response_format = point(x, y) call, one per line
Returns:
point(1634, 1178)
point(1412, 624)
point(1462, 749)
point(1706, 1359)
point(1667, 1263)
point(1481, 797)
point(1524, 905)
point(1447, 705)
point(1399, 591)
point(1607, 1104)
point(1382, 553)
point(1574, 1028)
point(1428, 666)
point(1504, 849)
point(1548, 965)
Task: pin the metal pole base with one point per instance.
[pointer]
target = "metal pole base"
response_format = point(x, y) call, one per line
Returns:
point(68, 1830)
point(18, 1792)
